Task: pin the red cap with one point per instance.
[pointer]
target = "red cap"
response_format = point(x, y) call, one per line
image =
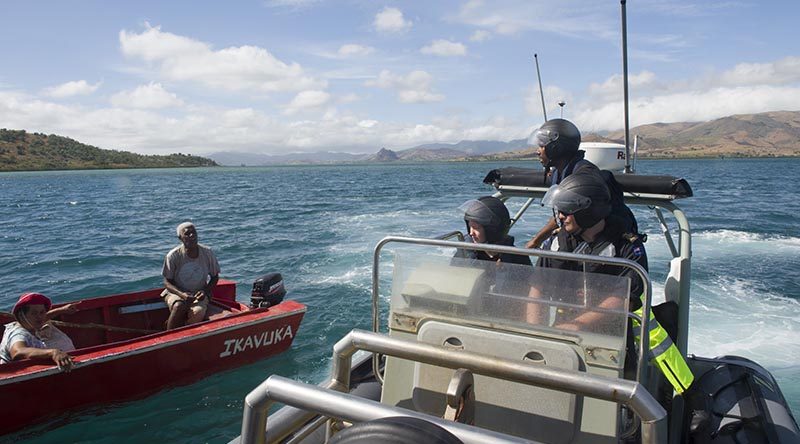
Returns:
point(32, 299)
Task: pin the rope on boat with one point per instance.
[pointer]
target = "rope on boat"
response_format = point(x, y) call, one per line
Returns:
point(92, 325)
point(102, 326)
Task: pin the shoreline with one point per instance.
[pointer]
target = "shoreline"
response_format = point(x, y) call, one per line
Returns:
point(407, 162)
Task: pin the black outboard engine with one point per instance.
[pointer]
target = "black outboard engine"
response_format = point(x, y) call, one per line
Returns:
point(268, 290)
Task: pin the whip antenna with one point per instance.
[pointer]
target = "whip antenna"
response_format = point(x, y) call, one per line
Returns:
point(541, 91)
point(625, 86)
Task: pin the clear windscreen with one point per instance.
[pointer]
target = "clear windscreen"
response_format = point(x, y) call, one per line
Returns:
point(519, 296)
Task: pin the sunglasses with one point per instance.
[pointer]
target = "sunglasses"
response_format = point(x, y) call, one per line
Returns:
point(566, 214)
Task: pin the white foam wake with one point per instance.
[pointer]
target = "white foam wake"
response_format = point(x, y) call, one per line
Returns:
point(732, 316)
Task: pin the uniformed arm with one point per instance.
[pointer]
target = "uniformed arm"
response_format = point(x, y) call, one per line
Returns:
point(543, 234)
point(634, 251)
point(592, 317)
point(534, 311)
point(19, 350)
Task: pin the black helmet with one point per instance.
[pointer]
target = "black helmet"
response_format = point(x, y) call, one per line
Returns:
point(560, 139)
point(491, 213)
point(583, 194)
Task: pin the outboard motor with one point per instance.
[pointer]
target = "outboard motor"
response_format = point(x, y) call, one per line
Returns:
point(268, 290)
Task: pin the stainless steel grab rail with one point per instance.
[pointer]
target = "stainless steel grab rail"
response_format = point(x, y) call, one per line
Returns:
point(354, 409)
point(258, 401)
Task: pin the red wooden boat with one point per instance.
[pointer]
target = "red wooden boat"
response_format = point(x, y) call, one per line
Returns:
point(126, 353)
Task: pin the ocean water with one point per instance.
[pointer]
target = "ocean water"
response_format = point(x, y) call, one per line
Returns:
point(82, 234)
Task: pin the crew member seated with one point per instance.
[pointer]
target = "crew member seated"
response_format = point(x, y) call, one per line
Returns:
point(190, 273)
point(32, 337)
point(582, 202)
point(488, 222)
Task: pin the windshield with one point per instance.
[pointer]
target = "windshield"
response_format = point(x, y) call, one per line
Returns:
point(519, 296)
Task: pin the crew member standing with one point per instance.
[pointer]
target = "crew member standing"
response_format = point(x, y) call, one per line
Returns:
point(558, 142)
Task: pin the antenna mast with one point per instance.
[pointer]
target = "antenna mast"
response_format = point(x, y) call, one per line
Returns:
point(541, 91)
point(625, 85)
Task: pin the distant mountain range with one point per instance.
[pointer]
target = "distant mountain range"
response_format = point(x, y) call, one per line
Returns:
point(233, 158)
point(463, 150)
point(770, 134)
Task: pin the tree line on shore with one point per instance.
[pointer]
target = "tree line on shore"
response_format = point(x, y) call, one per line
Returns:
point(24, 151)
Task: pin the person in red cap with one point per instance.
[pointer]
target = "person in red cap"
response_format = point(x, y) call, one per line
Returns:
point(20, 338)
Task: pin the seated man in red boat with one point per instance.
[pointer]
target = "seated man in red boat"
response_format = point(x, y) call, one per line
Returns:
point(190, 273)
point(30, 336)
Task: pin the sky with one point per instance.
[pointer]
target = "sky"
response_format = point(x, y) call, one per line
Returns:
point(284, 76)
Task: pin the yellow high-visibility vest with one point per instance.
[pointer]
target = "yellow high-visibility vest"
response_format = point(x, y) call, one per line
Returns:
point(666, 355)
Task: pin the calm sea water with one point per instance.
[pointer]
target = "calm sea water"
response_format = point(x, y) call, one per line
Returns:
point(73, 235)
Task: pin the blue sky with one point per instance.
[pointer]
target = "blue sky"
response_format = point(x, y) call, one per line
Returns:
point(279, 76)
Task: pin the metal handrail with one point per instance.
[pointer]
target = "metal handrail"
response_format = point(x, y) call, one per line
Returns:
point(665, 232)
point(289, 420)
point(453, 234)
point(644, 342)
point(276, 389)
point(521, 211)
point(334, 404)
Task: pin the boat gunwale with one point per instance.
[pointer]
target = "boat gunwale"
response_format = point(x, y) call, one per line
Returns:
point(29, 369)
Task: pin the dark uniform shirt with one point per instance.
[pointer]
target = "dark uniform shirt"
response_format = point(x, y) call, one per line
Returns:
point(500, 278)
point(611, 242)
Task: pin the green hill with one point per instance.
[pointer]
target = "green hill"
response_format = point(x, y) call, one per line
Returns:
point(23, 151)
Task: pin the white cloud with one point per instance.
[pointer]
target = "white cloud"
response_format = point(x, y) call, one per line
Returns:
point(480, 35)
point(354, 50)
point(295, 4)
point(348, 98)
point(209, 129)
point(611, 88)
point(242, 68)
point(306, 100)
point(689, 9)
point(566, 17)
point(497, 128)
point(746, 88)
point(69, 89)
point(781, 72)
point(134, 120)
point(391, 20)
point(552, 95)
point(415, 87)
point(691, 106)
point(445, 48)
point(421, 132)
point(152, 95)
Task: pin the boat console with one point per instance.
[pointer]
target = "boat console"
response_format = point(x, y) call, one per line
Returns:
point(487, 346)
point(515, 312)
